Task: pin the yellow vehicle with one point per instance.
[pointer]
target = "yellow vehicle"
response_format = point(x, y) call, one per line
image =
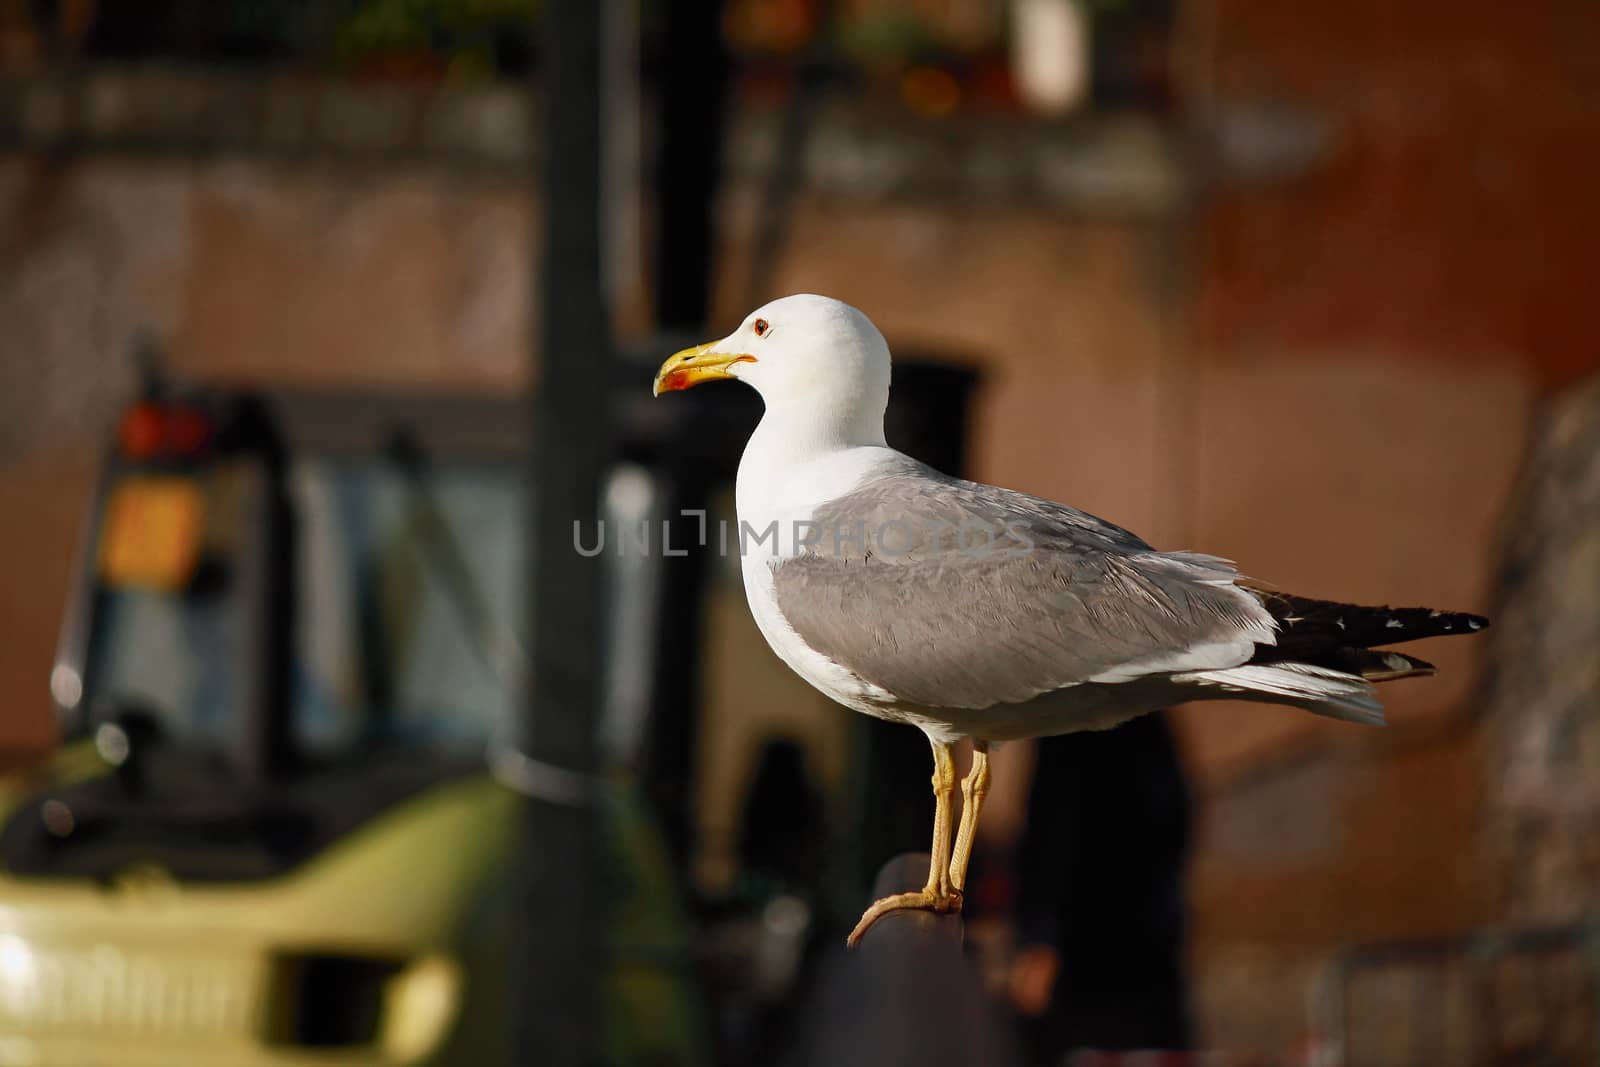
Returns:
point(270, 836)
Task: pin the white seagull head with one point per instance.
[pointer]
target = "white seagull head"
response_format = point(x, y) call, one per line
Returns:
point(813, 359)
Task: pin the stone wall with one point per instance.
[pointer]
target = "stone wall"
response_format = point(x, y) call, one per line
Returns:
point(1541, 851)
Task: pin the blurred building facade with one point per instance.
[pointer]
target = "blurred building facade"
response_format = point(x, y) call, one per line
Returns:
point(1311, 322)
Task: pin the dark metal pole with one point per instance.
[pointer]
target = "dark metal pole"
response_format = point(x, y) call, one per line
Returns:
point(693, 76)
point(563, 865)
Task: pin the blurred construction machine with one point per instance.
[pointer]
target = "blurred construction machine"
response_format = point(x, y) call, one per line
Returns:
point(272, 832)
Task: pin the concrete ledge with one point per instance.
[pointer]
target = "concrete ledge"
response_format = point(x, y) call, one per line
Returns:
point(1102, 164)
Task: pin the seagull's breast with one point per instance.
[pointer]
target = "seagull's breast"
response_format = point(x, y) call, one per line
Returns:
point(777, 498)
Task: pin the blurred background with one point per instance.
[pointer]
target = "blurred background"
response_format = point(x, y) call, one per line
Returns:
point(1304, 285)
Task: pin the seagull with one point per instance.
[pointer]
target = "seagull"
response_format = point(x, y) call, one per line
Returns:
point(981, 613)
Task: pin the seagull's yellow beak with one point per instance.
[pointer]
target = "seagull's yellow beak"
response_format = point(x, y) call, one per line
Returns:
point(702, 363)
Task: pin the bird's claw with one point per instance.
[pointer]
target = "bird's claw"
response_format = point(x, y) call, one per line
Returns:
point(936, 901)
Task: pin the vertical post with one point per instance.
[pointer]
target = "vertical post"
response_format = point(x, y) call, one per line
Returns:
point(691, 100)
point(563, 871)
point(693, 73)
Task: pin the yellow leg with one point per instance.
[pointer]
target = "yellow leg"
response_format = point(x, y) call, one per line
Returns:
point(974, 787)
point(944, 787)
point(937, 895)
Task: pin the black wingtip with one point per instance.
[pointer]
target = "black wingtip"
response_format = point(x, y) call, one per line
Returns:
point(1454, 622)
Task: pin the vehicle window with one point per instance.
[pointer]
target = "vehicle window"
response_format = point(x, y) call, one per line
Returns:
point(385, 650)
point(174, 658)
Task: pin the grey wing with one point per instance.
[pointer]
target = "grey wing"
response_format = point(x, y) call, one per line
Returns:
point(914, 600)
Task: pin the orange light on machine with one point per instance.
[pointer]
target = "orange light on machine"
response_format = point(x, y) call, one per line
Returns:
point(152, 533)
point(150, 430)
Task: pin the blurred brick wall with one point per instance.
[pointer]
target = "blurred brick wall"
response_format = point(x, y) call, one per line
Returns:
point(1455, 208)
point(1438, 234)
point(42, 499)
point(1541, 856)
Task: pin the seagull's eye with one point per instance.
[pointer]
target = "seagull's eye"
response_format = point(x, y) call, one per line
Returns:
point(761, 327)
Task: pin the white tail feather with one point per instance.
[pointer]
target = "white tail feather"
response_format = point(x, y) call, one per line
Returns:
point(1316, 689)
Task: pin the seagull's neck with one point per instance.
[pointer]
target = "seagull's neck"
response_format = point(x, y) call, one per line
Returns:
point(814, 430)
point(795, 459)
